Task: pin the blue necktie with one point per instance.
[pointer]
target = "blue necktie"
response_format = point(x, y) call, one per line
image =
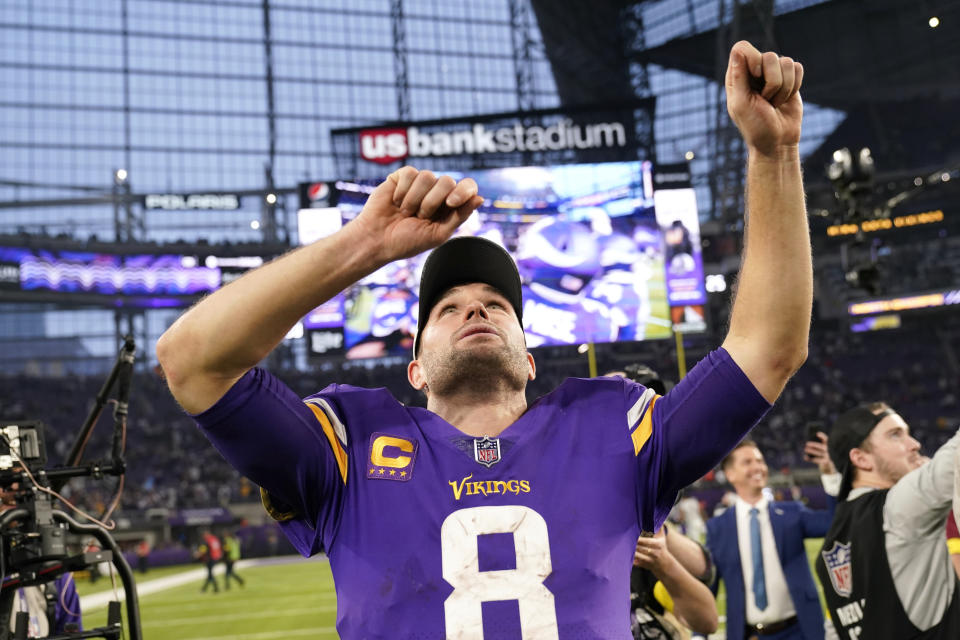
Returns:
point(756, 551)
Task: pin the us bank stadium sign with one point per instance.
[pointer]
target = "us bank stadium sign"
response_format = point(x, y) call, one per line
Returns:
point(385, 146)
point(614, 132)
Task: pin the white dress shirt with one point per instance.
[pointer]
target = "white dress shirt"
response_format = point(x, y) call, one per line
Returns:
point(831, 483)
point(779, 603)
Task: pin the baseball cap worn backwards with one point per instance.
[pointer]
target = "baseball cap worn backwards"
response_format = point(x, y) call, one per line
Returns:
point(463, 260)
point(849, 432)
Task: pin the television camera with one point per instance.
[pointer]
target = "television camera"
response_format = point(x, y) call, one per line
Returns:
point(33, 530)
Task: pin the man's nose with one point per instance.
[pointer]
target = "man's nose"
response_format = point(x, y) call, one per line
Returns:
point(477, 308)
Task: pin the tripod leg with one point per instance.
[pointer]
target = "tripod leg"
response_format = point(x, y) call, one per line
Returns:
point(23, 623)
point(113, 614)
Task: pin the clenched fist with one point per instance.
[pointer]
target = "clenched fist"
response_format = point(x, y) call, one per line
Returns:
point(412, 211)
point(769, 116)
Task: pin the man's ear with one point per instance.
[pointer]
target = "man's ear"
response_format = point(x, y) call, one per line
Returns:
point(532, 374)
point(861, 459)
point(415, 376)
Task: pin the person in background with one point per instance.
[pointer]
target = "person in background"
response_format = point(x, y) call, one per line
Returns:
point(884, 565)
point(143, 555)
point(760, 554)
point(668, 585)
point(231, 554)
point(210, 552)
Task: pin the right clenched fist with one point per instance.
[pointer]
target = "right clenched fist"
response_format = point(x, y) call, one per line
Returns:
point(413, 211)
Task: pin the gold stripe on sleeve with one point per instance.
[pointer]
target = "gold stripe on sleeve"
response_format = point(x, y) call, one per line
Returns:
point(338, 451)
point(644, 430)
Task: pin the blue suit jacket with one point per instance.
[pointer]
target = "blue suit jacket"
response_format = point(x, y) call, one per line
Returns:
point(791, 522)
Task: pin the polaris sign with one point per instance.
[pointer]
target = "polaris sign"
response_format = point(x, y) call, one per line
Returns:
point(192, 201)
point(388, 145)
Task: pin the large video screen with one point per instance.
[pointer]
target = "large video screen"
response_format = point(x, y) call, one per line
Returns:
point(586, 240)
point(137, 280)
point(118, 279)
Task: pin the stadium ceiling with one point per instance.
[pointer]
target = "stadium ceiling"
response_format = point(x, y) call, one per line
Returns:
point(881, 62)
point(585, 45)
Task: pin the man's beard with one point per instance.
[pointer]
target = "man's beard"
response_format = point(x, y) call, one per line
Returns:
point(478, 371)
point(891, 472)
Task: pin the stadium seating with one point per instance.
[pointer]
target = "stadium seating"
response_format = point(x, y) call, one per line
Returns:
point(171, 465)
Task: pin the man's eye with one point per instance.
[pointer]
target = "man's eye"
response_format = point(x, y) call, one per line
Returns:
point(447, 308)
point(495, 305)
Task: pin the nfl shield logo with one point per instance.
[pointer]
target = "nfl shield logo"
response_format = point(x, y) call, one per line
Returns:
point(486, 450)
point(837, 560)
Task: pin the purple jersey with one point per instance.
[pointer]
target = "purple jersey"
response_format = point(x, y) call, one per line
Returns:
point(435, 534)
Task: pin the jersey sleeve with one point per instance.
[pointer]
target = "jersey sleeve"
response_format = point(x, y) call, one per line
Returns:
point(681, 436)
point(295, 450)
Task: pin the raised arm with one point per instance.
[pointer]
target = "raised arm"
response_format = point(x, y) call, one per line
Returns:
point(816, 522)
point(914, 513)
point(770, 321)
point(917, 506)
point(218, 340)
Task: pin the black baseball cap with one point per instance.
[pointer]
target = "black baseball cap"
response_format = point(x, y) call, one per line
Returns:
point(463, 260)
point(849, 432)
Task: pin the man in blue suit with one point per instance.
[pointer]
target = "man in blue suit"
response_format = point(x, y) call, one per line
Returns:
point(757, 546)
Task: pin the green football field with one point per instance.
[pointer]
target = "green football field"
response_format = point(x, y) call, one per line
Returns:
point(282, 601)
point(285, 601)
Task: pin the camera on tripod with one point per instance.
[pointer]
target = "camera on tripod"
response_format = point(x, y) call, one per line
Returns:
point(33, 531)
point(22, 447)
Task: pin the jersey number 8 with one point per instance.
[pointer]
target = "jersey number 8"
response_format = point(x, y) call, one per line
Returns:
point(471, 587)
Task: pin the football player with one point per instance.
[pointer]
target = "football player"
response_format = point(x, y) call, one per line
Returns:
point(481, 516)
